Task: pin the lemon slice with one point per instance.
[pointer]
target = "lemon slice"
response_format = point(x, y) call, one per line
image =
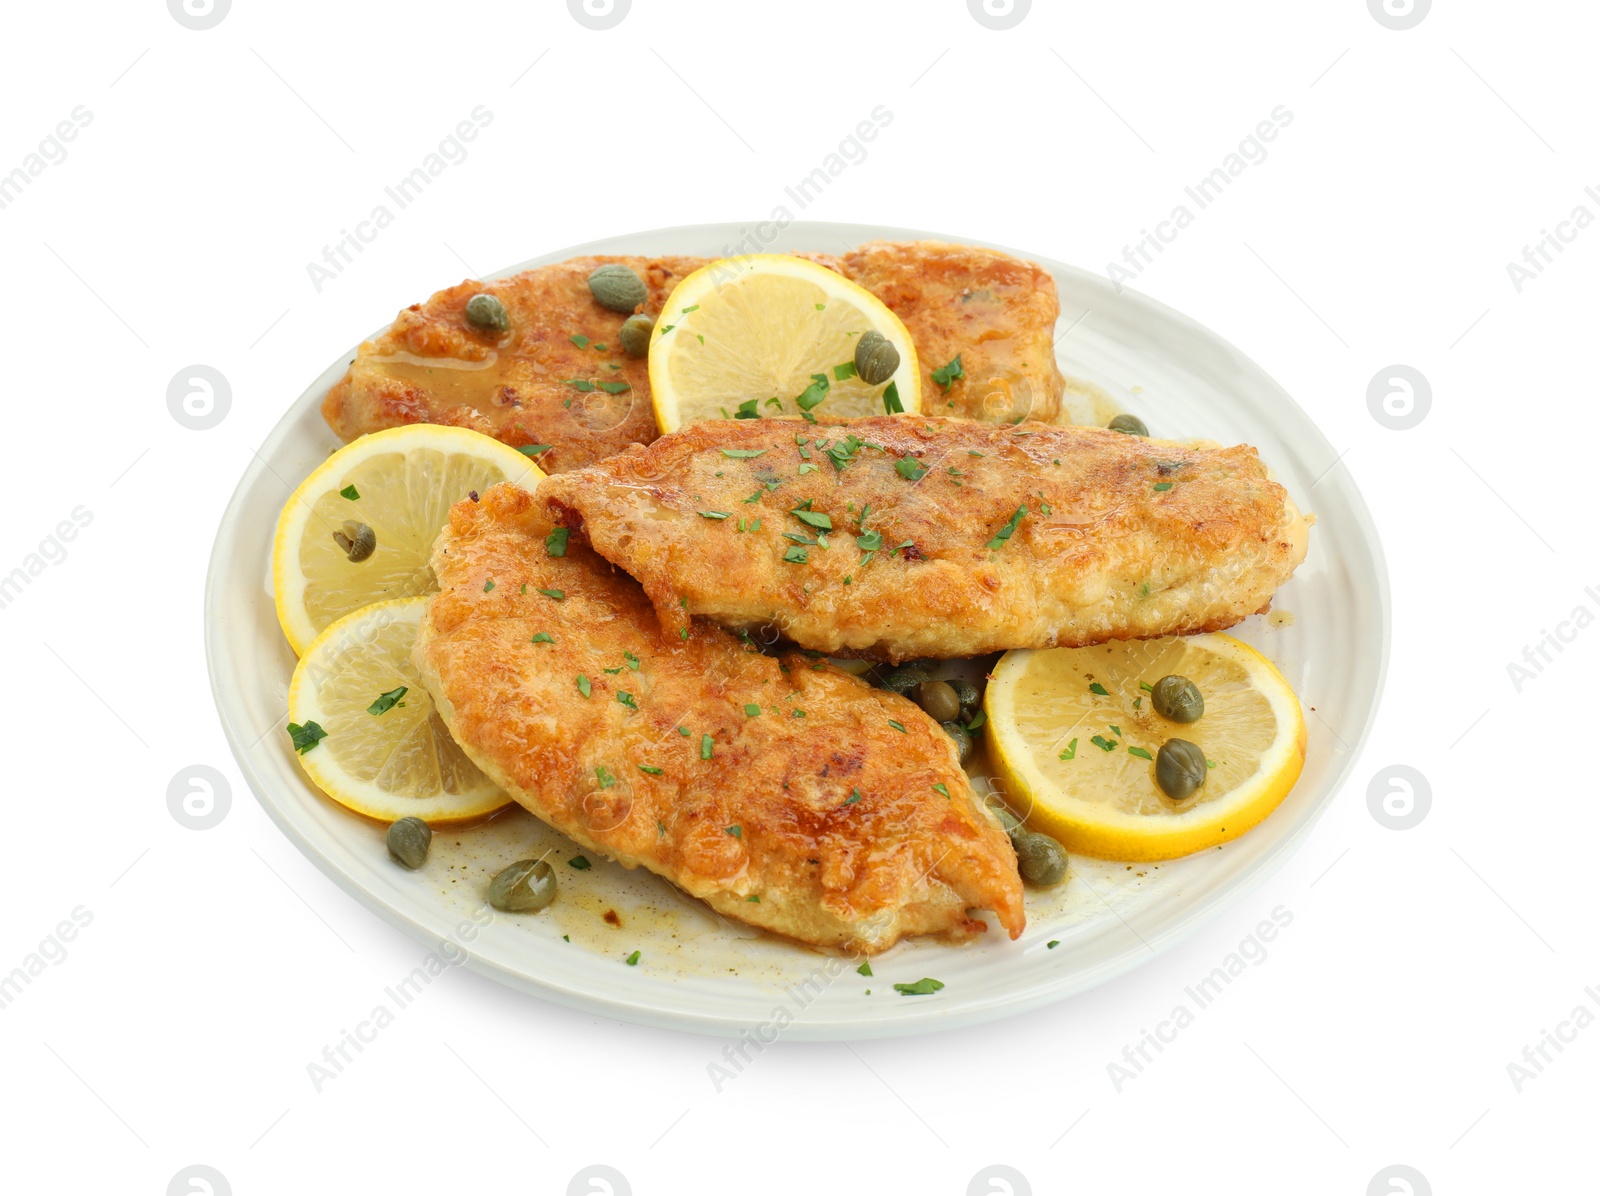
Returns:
point(396, 763)
point(757, 330)
point(403, 481)
point(1072, 758)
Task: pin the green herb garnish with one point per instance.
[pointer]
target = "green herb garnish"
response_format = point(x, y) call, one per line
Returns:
point(927, 985)
point(350, 492)
point(387, 702)
point(1004, 534)
point(555, 544)
point(583, 685)
point(946, 374)
point(306, 737)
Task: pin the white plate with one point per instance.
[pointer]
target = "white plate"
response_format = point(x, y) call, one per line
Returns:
point(698, 972)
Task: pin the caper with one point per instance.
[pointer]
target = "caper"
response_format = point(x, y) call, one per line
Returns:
point(1041, 860)
point(904, 680)
point(1177, 698)
point(939, 700)
point(635, 335)
point(876, 358)
point(617, 288)
point(357, 540)
point(969, 697)
point(1180, 768)
point(526, 886)
point(1131, 424)
point(408, 841)
point(1007, 819)
point(963, 739)
point(488, 313)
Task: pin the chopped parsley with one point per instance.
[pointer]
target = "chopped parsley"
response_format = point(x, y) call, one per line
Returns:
point(579, 339)
point(727, 452)
point(580, 384)
point(1104, 744)
point(581, 863)
point(751, 710)
point(633, 661)
point(1148, 688)
point(747, 410)
point(543, 637)
point(1053, 944)
point(941, 788)
point(626, 698)
point(706, 746)
point(795, 556)
point(812, 395)
point(891, 400)
point(898, 727)
point(1004, 534)
point(910, 468)
point(1071, 753)
point(1096, 688)
point(306, 737)
point(844, 370)
point(813, 518)
point(633, 960)
point(1162, 486)
point(736, 831)
point(756, 897)
point(488, 585)
point(533, 450)
point(350, 492)
point(387, 702)
point(614, 388)
point(555, 544)
point(978, 720)
point(927, 985)
point(1140, 752)
point(855, 796)
point(653, 771)
point(604, 777)
point(583, 685)
point(946, 374)
point(864, 970)
point(558, 595)
point(869, 541)
point(714, 514)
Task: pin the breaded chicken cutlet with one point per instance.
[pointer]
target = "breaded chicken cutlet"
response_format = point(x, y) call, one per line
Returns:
point(559, 376)
point(900, 537)
point(779, 791)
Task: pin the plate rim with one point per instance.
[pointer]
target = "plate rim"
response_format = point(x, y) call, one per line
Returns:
point(988, 1008)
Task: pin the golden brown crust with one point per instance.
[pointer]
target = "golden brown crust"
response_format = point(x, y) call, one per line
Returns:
point(430, 366)
point(773, 814)
point(996, 311)
point(1123, 538)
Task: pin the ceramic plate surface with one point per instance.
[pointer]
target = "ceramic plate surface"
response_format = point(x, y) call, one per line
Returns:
point(698, 972)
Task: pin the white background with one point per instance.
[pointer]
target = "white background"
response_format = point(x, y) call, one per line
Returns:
point(178, 229)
